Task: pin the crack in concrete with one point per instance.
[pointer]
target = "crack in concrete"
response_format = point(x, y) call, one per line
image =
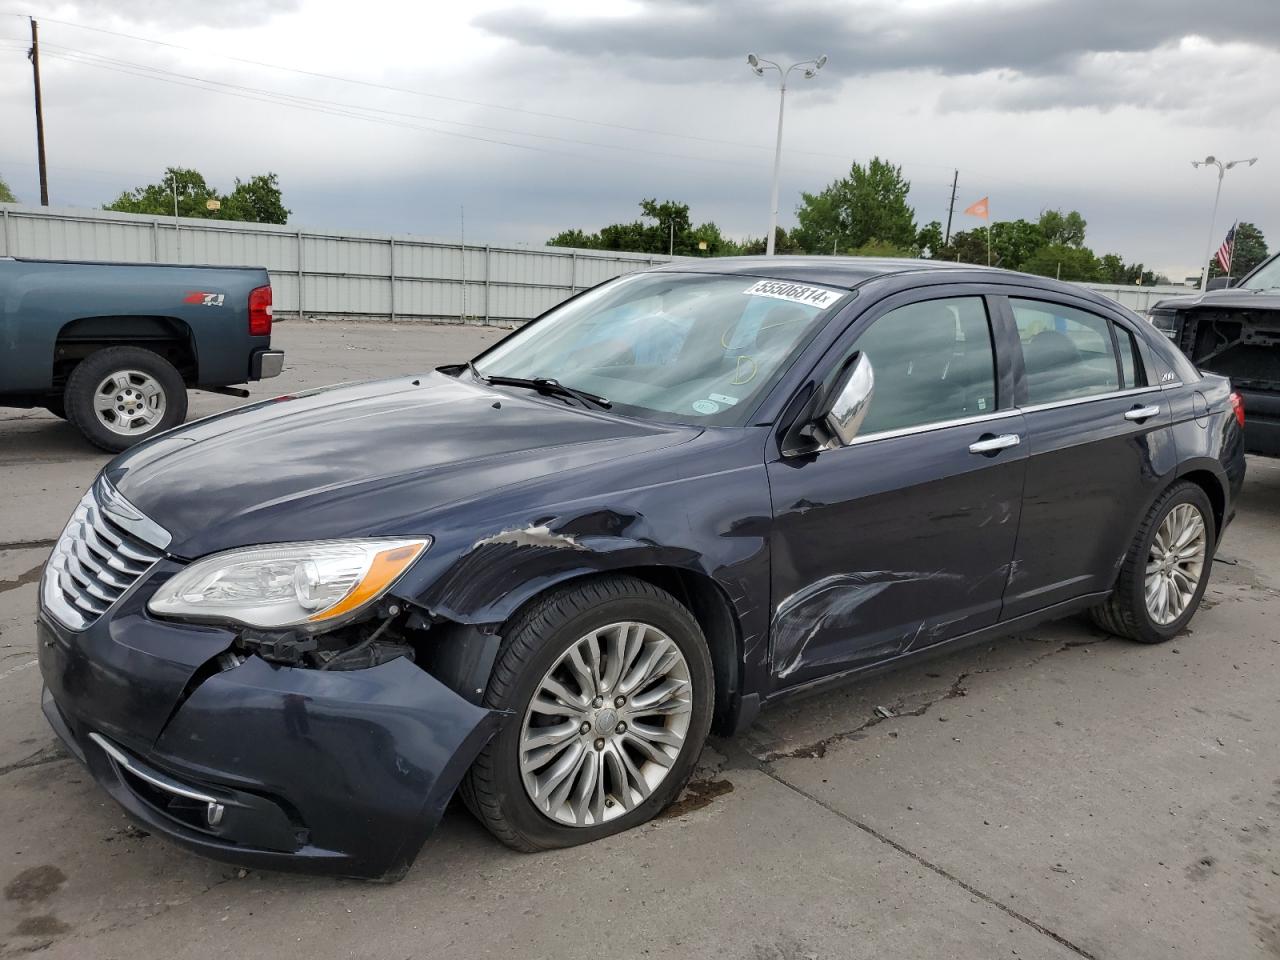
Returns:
point(24, 579)
point(765, 768)
point(818, 749)
point(26, 544)
point(50, 754)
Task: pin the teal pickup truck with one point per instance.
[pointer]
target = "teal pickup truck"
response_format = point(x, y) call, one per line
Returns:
point(114, 347)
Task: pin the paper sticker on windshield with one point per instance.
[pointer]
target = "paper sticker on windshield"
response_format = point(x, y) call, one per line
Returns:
point(706, 406)
point(722, 398)
point(819, 297)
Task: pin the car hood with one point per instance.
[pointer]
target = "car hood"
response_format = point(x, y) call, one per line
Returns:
point(370, 459)
point(1237, 298)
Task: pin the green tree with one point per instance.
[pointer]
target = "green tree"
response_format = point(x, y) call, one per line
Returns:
point(1013, 242)
point(256, 200)
point(1250, 250)
point(662, 227)
point(1063, 228)
point(1065, 262)
point(929, 239)
point(6, 195)
point(783, 242)
point(869, 204)
point(967, 246)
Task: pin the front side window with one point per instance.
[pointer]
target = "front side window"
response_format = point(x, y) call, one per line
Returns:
point(1068, 353)
point(694, 348)
point(932, 362)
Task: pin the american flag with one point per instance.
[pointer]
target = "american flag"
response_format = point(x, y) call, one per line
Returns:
point(1225, 251)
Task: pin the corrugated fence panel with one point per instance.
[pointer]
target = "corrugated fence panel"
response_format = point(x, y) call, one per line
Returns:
point(359, 274)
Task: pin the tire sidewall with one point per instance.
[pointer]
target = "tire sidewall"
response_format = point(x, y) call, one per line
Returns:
point(1152, 631)
point(535, 826)
point(84, 379)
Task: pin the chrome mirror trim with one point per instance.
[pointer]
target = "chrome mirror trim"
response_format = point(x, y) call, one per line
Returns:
point(851, 402)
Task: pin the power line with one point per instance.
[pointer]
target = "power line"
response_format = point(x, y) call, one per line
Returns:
point(88, 58)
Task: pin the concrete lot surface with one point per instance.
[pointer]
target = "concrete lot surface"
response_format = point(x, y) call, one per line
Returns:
point(1057, 794)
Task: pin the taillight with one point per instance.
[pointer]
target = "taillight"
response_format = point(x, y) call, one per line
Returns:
point(260, 312)
point(1237, 407)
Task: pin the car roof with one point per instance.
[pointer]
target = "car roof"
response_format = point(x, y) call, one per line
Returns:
point(847, 272)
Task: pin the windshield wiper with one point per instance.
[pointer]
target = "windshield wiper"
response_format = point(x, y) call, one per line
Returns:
point(543, 385)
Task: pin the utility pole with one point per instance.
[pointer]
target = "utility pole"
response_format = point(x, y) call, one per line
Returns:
point(952, 208)
point(34, 56)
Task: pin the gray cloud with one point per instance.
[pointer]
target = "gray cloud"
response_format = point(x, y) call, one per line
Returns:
point(185, 13)
point(871, 36)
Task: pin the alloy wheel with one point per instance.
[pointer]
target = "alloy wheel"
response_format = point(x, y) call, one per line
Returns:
point(1175, 563)
point(606, 724)
point(129, 402)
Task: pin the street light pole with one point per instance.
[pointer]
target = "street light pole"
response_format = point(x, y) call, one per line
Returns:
point(1213, 219)
point(759, 66)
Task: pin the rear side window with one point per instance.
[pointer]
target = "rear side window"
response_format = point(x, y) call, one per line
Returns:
point(1068, 353)
point(932, 362)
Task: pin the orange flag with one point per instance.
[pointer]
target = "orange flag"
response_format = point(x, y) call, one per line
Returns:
point(979, 209)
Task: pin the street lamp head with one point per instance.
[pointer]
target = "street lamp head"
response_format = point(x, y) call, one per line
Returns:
point(753, 61)
point(822, 62)
point(1211, 159)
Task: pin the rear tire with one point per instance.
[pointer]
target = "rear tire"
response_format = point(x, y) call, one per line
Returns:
point(1156, 556)
point(537, 646)
point(120, 396)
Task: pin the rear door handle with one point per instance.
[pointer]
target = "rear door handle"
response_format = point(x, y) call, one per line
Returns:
point(992, 444)
point(1141, 413)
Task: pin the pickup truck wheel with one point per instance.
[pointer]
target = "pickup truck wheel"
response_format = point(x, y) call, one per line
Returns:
point(121, 395)
point(610, 687)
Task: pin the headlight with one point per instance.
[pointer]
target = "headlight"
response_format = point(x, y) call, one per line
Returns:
point(307, 586)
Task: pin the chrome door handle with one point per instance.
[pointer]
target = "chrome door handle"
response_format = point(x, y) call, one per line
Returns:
point(992, 444)
point(1141, 413)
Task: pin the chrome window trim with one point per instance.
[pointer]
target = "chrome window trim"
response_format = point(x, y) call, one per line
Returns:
point(1077, 401)
point(930, 427)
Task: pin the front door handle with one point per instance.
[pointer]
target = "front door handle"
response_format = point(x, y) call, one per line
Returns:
point(992, 444)
point(1141, 413)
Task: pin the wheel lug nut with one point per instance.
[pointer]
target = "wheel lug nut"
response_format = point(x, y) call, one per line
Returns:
point(608, 801)
point(599, 743)
point(598, 702)
point(585, 728)
point(619, 701)
point(620, 728)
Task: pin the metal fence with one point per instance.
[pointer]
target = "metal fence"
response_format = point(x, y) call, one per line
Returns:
point(330, 273)
point(359, 275)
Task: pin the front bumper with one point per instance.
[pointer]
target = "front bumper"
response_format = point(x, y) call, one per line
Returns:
point(343, 772)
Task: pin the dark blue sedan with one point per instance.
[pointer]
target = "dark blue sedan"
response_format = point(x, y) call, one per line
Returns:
point(286, 635)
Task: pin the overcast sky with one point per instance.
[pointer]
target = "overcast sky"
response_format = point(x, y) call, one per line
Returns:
point(536, 116)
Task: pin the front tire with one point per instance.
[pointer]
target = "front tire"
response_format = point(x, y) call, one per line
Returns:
point(120, 396)
point(611, 688)
point(1166, 571)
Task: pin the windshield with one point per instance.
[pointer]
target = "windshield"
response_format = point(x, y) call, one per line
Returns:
point(689, 347)
point(1266, 278)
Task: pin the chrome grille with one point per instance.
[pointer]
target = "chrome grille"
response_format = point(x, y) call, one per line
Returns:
point(94, 563)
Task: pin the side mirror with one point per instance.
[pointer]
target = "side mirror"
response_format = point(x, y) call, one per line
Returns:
point(850, 399)
point(1220, 283)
